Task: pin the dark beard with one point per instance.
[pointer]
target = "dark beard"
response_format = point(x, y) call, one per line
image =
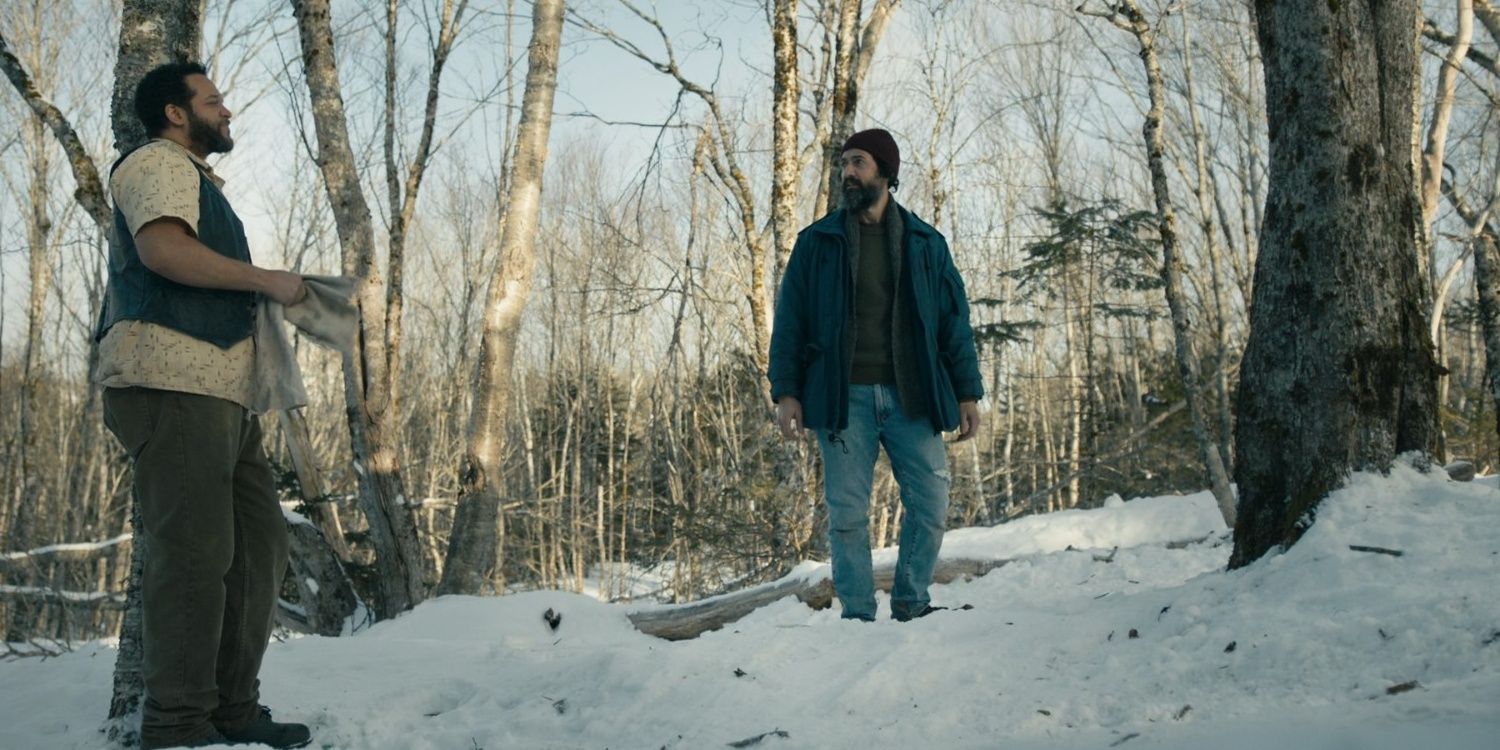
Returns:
point(859, 196)
point(207, 138)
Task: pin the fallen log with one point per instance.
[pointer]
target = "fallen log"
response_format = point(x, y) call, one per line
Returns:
point(42, 594)
point(68, 551)
point(812, 587)
point(325, 597)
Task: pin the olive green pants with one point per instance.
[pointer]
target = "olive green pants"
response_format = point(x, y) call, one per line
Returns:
point(216, 550)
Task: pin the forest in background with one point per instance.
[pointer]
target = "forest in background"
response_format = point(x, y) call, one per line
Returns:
point(638, 432)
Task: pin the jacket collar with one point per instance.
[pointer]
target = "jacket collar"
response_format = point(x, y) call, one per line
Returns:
point(833, 223)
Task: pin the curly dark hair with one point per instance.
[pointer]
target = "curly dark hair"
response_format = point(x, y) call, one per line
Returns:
point(165, 84)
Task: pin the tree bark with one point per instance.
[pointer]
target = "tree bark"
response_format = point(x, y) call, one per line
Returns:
point(787, 167)
point(152, 33)
point(1338, 373)
point(474, 557)
point(368, 374)
point(1442, 113)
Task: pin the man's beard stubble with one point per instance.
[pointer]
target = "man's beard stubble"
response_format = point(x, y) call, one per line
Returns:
point(858, 196)
point(207, 137)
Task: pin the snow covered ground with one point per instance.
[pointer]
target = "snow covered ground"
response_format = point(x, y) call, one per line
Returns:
point(1320, 647)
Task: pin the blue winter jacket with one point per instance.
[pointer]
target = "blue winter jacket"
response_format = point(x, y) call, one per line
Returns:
point(809, 356)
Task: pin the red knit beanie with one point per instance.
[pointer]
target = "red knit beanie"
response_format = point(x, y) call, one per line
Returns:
point(880, 145)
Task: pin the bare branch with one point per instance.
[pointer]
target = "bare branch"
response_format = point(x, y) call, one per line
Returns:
point(90, 192)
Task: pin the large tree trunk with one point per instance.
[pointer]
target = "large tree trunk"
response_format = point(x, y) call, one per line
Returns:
point(1338, 373)
point(368, 373)
point(796, 524)
point(152, 33)
point(474, 562)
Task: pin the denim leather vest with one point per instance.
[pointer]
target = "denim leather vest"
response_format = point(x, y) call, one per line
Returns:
point(134, 292)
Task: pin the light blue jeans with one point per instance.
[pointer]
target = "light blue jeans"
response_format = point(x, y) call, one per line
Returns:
point(920, 464)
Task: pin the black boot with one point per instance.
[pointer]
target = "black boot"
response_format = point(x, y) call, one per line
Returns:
point(264, 731)
point(909, 616)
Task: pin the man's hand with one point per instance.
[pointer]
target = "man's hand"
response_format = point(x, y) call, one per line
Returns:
point(789, 417)
point(283, 286)
point(968, 420)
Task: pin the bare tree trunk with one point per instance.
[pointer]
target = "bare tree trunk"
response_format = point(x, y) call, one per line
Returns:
point(152, 33)
point(1338, 372)
point(1205, 191)
point(842, 109)
point(1127, 15)
point(32, 491)
point(1432, 176)
point(368, 375)
point(1073, 435)
point(1486, 243)
point(403, 196)
point(324, 591)
point(474, 560)
point(1442, 113)
point(787, 172)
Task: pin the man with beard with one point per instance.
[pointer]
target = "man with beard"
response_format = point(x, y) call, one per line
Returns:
point(872, 347)
point(176, 360)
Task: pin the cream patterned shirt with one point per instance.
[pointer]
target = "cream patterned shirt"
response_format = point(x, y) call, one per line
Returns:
point(160, 180)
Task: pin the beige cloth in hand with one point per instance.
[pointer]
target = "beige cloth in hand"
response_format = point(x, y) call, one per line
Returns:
point(326, 315)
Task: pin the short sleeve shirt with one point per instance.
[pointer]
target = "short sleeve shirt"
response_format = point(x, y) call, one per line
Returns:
point(160, 180)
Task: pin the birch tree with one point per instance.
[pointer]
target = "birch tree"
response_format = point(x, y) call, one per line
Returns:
point(474, 556)
point(1434, 152)
point(1127, 15)
point(1482, 241)
point(787, 167)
